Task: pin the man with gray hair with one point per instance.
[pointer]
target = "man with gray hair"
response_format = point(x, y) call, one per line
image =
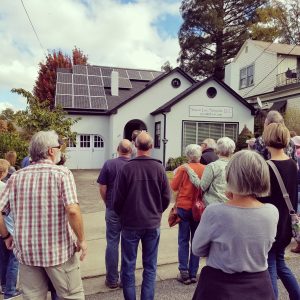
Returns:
point(141, 195)
point(43, 203)
point(106, 182)
point(273, 116)
point(209, 155)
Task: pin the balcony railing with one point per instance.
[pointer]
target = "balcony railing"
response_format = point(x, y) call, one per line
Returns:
point(288, 77)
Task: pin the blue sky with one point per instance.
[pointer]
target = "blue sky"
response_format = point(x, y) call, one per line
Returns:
point(143, 31)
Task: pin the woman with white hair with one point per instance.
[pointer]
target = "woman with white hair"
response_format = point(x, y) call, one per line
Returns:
point(213, 182)
point(188, 263)
point(236, 236)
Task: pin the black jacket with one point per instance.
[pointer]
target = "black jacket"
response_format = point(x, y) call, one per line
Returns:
point(142, 193)
point(208, 156)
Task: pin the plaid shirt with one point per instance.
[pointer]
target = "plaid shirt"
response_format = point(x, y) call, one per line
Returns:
point(260, 147)
point(37, 196)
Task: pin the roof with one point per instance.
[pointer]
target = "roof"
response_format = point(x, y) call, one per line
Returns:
point(87, 89)
point(167, 106)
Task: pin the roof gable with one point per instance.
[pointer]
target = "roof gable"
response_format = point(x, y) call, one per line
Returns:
point(167, 106)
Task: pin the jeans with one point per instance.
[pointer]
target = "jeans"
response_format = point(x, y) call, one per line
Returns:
point(187, 227)
point(130, 241)
point(113, 233)
point(9, 267)
point(277, 267)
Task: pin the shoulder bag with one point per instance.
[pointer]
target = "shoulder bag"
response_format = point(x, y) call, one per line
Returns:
point(295, 220)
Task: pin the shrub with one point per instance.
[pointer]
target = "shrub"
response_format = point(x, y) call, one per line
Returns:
point(245, 135)
point(174, 163)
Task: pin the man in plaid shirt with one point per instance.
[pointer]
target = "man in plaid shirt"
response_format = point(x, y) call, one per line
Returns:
point(43, 203)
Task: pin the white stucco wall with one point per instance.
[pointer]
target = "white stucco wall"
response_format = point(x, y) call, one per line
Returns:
point(141, 107)
point(180, 111)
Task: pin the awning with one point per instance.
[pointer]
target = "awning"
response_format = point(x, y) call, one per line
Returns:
point(279, 106)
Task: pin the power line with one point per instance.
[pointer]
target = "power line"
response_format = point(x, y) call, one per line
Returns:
point(269, 72)
point(33, 28)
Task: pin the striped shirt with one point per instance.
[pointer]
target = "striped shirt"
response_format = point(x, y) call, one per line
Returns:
point(36, 197)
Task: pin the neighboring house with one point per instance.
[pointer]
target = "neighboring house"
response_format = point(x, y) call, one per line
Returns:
point(269, 71)
point(176, 110)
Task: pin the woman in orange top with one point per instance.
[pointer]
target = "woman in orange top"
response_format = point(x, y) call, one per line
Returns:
point(188, 263)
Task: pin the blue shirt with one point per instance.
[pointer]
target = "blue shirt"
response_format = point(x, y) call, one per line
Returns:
point(108, 175)
point(9, 222)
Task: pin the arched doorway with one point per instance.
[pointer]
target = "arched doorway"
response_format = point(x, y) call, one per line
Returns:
point(133, 125)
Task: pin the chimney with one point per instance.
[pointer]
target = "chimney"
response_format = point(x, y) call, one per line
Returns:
point(114, 83)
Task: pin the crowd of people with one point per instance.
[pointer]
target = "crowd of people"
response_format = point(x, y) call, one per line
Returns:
point(243, 232)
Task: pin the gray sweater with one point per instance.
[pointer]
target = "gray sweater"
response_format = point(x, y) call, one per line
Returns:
point(236, 239)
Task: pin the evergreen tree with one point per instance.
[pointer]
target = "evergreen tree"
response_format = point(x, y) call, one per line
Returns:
point(213, 32)
point(45, 84)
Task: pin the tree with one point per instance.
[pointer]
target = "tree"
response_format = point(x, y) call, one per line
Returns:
point(245, 135)
point(212, 33)
point(45, 84)
point(39, 116)
point(7, 117)
point(166, 67)
point(291, 119)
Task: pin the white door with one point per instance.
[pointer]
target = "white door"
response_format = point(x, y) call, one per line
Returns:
point(87, 154)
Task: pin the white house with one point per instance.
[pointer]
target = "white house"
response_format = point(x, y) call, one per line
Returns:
point(176, 110)
point(269, 71)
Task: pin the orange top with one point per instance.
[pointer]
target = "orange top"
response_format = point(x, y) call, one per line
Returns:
point(182, 184)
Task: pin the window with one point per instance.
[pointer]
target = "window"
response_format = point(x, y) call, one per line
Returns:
point(157, 135)
point(196, 132)
point(246, 77)
point(98, 142)
point(85, 141)
point(71, 144)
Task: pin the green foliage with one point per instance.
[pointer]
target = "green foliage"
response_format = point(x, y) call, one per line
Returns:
point(174, 163)
point(166, 67)
point(7, 116)
point(245, 135)
point(291, 119)
point(39, 116)
point(13, 141)
point(212, 33)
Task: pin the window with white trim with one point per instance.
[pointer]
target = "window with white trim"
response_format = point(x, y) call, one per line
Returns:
point(98, 141)
point(195, 132)
point(247, 77)
point(85, 141)
point(157, 134)
point(71, 144)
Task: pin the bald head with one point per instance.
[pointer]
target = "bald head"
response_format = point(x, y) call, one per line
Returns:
point(124, 148)
point(144, 141)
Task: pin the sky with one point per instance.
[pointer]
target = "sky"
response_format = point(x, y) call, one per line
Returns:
point(118, 33)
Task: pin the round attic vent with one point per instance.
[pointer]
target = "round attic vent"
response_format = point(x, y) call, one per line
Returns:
point(211, 92)
point(176, 82)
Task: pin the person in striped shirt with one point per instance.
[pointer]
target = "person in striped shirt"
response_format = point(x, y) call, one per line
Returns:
point(48, 224)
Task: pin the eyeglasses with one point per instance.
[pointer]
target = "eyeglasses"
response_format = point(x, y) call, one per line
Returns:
point(58, 147)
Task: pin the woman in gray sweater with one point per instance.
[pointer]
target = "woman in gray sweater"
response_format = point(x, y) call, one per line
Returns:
point(236, 236)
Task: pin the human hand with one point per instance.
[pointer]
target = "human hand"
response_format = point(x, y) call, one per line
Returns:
point(9, 243)
point(81, 246)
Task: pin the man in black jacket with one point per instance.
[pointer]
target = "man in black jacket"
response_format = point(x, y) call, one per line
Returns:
point(141, 195)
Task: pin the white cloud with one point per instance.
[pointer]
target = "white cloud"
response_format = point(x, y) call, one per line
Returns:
point(4, 105)
point(109, 32)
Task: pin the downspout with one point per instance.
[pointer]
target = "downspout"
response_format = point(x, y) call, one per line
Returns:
point(164, 140)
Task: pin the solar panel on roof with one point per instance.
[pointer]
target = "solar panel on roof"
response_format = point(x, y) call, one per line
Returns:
point(155, 74)
point(106, 71)
point(134, 74)
point(64, 77)
point(96, 90)
point(98, 103)
point(106, 81)
point(80, 89)
point(81, 102)
point(146, 75)
point(92, 70)
point(79, 69)
point(95, 80)
point(79, 79)
point(64, 100)
point(124, 83)
point(64, 88)
point(122, 73)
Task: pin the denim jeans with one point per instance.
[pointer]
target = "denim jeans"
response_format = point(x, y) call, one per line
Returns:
point(130, 241)
point(113, 233)
point(187, 227)
point(9, 267)
point(277, 267)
